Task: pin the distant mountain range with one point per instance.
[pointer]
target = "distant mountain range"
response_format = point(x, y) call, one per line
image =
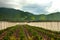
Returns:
point(8, 14)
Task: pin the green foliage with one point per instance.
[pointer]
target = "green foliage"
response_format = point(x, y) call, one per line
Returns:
point(13, 15)
point(7, 14)
point(34, 33)
point(32, 18)
point(42, 17)
point(6, 37)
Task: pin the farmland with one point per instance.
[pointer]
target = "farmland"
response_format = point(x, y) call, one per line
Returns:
point(21, 25)
point(26, 32)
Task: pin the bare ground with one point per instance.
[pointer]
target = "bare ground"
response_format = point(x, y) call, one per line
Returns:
point(47, 25)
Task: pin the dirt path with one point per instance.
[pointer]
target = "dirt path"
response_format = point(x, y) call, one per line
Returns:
point(16, 33)
point(3, 35)
point(27, 33)
point(44, 36)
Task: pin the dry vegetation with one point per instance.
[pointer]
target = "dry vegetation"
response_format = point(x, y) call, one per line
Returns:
point(47, 25)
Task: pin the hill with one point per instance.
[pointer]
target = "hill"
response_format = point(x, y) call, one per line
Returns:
point(8, 14)
point(26, 32)
point(54, 16)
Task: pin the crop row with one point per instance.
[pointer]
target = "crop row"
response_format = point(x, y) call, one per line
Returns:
point(26, 32)
point(50, 34)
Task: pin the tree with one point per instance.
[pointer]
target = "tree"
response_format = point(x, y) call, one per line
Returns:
point(43, 17)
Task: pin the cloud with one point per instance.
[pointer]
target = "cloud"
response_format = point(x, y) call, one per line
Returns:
point(36, 9)
point(40, 2)
point(39, 6)
point(20, 3)
point(55, 7)
point(17, 4)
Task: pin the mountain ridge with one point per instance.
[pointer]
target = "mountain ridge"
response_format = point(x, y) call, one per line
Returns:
point(9, 14)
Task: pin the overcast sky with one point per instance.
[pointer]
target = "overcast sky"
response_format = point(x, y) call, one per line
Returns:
point(33, 6)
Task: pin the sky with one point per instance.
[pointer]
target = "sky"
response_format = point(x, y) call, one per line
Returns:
point(33, 6)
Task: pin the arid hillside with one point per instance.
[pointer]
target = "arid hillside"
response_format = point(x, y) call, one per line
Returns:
point(47, 25)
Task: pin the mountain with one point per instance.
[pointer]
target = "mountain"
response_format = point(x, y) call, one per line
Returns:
point(9, 14)
point(26, 32)
point(54, 16)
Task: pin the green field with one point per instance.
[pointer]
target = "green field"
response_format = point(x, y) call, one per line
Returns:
point(26, 32)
